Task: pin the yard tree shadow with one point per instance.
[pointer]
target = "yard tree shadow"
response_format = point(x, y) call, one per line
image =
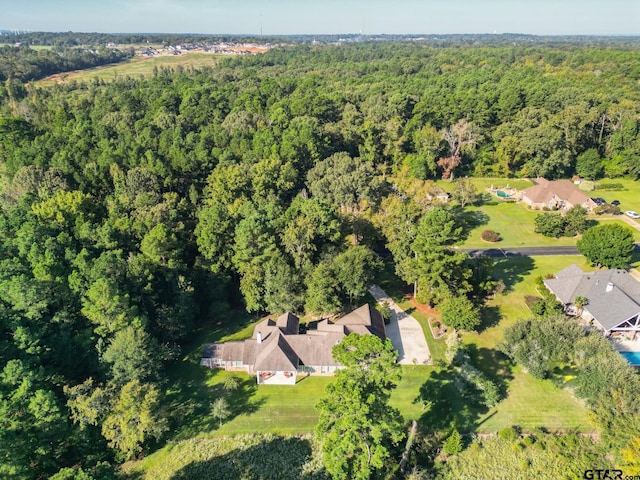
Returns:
point(444, 405)
point(494, 364)
point(490, 316)
point(190, 398)
point(470, 220)
point(512, 270)
point(281, 458)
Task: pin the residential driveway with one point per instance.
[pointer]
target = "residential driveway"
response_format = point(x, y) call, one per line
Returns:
point(629, 221)
point(404, 331)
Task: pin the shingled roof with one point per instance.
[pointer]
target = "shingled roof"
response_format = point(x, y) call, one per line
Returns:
point(613, 295)
point(545, 191)
point(276, 355)
point(278, 346)
point(286, 323)
point(366, 316)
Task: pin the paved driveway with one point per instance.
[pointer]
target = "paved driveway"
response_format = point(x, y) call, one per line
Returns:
point(404, 331)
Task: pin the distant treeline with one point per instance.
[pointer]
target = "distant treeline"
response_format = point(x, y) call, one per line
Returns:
point(24, 64)
point(505, 39)
point(71, 39)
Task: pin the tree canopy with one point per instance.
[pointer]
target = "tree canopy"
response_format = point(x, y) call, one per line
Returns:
point(357, 427)
point(609, 245)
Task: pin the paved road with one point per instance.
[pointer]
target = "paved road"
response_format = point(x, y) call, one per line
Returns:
point(525, 251)
point(404, 331)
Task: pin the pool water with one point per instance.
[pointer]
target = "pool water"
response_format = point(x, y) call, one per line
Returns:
point(502, 194)
point(632, 357)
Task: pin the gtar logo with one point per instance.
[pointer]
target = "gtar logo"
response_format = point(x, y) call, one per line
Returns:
point(603, 474)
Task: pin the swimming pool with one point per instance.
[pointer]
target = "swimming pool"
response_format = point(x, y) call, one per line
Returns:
point(632, 357)
point(502, 194)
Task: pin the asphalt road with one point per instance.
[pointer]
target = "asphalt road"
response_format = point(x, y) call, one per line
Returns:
point(525, 251)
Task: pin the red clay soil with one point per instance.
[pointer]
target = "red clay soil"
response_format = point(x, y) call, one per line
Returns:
point(423, 307)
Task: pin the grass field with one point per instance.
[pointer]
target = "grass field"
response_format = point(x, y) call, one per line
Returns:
point(629, 198)
point(136, 67)
point(514, 221)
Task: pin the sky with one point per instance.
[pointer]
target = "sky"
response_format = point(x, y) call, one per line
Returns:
point(284, 17)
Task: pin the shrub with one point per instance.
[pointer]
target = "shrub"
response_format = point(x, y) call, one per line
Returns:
point(508, 433)
point(607, 209)
point(385, 311)
point(490, 236)
point(453, 443)
point(610, 186)
point(528, 441)
point(546, 306)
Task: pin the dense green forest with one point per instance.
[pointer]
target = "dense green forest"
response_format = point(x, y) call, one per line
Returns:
point(134, 211)
point(21, 64)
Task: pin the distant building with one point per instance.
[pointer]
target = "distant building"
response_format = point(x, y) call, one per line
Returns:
point(277, 352)
point(613, 298)
point(556, 194)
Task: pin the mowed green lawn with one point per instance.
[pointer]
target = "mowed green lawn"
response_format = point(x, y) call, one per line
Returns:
point(529, 402)
point(135, 67)
point(515, 224)
point(514, 221)
point(629, 198)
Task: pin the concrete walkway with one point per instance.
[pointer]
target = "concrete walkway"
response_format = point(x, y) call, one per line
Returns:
point(404, 331)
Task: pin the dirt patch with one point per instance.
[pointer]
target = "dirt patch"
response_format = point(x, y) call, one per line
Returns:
point(422, 307)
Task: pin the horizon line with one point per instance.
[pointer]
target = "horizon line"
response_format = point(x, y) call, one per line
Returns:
point(18, 31)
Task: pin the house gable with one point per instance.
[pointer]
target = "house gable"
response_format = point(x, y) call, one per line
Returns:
point(613, 296)
point(277, 346)
point(557, 193)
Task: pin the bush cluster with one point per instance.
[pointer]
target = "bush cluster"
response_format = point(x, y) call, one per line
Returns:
point(490, 236)
point(610, 186)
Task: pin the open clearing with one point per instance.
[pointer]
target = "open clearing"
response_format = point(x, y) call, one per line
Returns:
point(135, 67)
point(514, 221)
point(426, 392)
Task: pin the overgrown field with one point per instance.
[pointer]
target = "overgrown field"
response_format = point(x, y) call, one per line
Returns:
point(136, 67)
point(245, 457)
point(539, 456)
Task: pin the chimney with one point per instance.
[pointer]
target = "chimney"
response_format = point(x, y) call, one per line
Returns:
point(259, 337)
point(609, 287)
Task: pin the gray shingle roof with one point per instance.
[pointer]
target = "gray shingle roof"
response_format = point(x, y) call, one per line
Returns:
point(613, 295)
point(366, 316)
point(282, 348)
point(276, 355)
point(315, 350)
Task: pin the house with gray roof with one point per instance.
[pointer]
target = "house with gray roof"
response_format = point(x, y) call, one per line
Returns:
point(277, 352)
point(613, 298)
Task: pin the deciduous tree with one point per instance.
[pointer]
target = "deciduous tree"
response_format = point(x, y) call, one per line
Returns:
point(609, 245)
point(357, 427)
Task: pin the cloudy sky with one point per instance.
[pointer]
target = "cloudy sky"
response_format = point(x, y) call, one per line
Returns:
point(601, 17)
